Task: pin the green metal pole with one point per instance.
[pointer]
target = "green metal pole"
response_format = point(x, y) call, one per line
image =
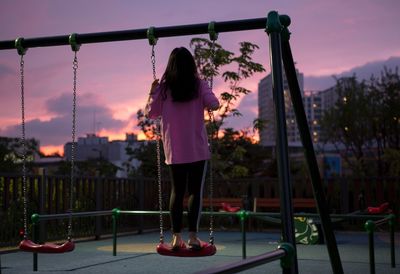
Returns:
point(274, 29)
point(243, 216)
point(35, 230)
point(115, 214)
point(369, 227)
point(392, 250)
point(317, 187)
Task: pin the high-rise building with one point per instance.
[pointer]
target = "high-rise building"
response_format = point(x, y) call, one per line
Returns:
point(266, 111)
point(313, 106)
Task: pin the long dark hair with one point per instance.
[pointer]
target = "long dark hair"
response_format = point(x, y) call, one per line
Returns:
point(180, 76)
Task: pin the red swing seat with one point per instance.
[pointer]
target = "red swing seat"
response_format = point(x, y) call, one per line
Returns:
point(207, 249)
point(228, 208)
point(381, 209)
point(28, 245)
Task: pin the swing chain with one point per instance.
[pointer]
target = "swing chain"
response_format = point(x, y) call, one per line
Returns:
point(153, 62)
point(160, 200)
point(157, 122)
point(153, 42)
point(213, 37)
point(75, 70)
point(23, 142)
point(21, 51)
point(211, 186)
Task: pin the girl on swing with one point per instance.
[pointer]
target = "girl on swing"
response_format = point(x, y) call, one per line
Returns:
point(180, 100)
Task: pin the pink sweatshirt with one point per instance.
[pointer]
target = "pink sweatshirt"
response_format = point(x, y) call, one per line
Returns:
point(183, 131)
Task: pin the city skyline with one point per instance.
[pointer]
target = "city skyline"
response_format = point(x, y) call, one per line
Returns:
point(113, 78)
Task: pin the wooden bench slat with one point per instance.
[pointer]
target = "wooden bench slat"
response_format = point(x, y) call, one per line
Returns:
point(274, 203)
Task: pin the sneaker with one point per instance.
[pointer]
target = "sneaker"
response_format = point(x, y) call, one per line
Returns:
point(177, 242)
point(194, 243)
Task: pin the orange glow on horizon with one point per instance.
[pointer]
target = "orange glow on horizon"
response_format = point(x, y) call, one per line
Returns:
point(51, 150)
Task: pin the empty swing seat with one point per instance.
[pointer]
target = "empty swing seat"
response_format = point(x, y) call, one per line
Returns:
point(28, 245)
point(228, 208)
point(382, 209)
point(207, 249)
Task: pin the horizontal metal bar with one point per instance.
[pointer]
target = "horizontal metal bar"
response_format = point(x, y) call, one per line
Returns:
point(383, 221)
point(135, 34)
point(74, 214)
point(144, 212)
point(271, 216)
point(247, 263)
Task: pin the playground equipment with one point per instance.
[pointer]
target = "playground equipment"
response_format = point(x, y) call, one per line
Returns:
point(26, 244)
point(276, 27)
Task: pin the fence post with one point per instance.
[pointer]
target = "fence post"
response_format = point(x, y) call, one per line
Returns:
point(99, 206)
point(344, 197)
point(370, 227)
point(392, 221)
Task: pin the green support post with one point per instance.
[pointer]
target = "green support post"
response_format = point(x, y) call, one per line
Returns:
point(115, 215)
point(392, 220)
point(35, 232)
point(274, 29)
point(370, 227)
point(243, 215)
point(309, 153)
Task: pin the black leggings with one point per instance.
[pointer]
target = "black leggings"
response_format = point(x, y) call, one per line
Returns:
point(191, 175)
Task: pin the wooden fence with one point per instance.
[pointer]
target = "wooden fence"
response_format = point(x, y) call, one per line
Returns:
point(50, 195)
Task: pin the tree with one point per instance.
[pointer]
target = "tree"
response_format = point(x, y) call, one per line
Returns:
point(364, 124)
point(231, 153)
point(210, 60)
point(146, 154)
point(385, 104)
point(347, 125)
point(11, 153)
point(235, 155)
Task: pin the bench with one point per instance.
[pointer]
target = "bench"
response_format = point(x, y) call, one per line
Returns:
point(218, 203)
point(274, 204)
point(268, 204)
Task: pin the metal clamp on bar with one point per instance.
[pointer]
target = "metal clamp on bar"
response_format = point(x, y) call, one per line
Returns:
point(151, 36)
point(73, 42)
point(273, 23)
point(285, 21)
point(18, 45)
point(211, 31)
point(287, 261)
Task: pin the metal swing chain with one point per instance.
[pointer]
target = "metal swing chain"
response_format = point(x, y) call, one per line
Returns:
point(211, 117)
point(75, 69)
point(153, 61)
point(158, 148)
point(23, 142)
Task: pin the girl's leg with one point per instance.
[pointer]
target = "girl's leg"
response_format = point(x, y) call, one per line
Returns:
point(178, 188)
point(197, 172)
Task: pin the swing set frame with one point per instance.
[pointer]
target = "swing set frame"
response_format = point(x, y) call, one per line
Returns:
point(276, 27)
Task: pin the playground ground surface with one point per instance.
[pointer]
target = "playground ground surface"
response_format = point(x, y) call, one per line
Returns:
point(136, 254)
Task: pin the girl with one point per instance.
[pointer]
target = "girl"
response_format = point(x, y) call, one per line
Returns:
point(180, 100)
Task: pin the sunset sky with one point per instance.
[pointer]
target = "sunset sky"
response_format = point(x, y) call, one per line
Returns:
point(328, 37)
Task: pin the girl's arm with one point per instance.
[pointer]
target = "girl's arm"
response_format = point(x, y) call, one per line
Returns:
point(153, 105)
point(210, 101)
